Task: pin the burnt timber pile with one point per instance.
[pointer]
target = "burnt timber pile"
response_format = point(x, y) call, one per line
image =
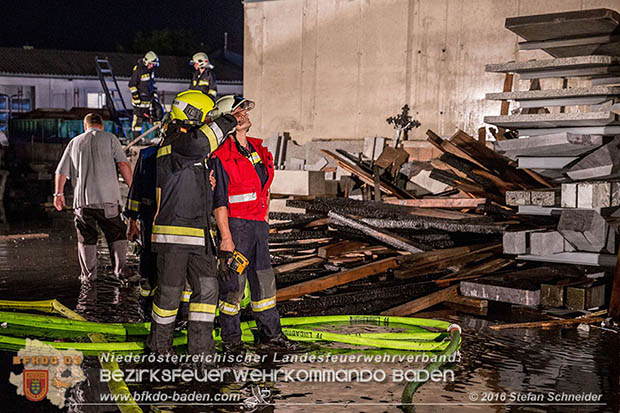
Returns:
point(530, 221)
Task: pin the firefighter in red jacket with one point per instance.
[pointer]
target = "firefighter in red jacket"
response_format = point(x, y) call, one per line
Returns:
point(244, 172)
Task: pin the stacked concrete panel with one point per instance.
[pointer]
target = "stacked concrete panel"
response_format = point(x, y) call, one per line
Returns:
point(576, 148)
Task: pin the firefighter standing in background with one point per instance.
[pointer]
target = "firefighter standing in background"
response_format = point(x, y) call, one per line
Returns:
point(181, 231)
point(143, 92)
point(243, 173)
point(203, 78)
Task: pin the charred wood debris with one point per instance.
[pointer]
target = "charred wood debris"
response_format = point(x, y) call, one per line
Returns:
point(339, 255)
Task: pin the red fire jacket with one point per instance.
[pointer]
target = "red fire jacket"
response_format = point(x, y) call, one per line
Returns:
point(246, 198)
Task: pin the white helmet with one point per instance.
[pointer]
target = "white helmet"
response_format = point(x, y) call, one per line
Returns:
point(202, 59)
point(150, 57)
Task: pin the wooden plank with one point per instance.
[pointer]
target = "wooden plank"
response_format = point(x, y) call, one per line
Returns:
point(468, 301)
point(366, 177)
point(446, 203)
point(23, 236)
point(588, 319)
point(384, 236)
point(423, 303)
point(334, 280)
point(292, 266)
point(338, 248)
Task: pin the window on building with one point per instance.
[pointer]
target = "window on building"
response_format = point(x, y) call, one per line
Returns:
point(95, 100)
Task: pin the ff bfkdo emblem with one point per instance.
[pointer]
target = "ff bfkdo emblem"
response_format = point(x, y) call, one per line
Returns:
point(35, 384)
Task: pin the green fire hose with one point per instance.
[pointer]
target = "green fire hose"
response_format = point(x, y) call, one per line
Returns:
point(420, 335)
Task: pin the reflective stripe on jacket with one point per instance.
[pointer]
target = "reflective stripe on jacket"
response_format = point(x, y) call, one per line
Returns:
point(184, 195)
point(247, 199)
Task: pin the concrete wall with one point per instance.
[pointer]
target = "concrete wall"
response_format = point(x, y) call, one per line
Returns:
point(338, 68)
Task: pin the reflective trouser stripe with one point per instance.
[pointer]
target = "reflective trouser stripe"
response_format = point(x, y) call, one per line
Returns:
point(161, 316)
point(133, 205)
point(235, 199)
point(263, 305)
point(144, 292)
point(133, 89)
point(145, 76)
point(177, 239)
point(228, 308)
point(212, 92)
point(202, 308)
point(204, 317)
point(186, 296)
point(201, 312)
point(176, 230)
point(203, 83)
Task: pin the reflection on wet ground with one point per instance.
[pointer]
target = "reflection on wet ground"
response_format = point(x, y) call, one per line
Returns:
point(492, 363)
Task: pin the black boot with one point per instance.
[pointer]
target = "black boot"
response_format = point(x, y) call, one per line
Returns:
point(280, 343)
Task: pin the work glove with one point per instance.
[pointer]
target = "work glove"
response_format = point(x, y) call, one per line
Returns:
point(228, 279)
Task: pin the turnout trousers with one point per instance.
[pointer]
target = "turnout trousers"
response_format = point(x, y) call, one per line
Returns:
point(251, 238)
point(115, 231)
point(173, 269)
point(140, 114)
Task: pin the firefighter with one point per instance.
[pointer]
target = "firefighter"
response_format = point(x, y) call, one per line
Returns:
point(243, 173)
point(181, 230)
point(143, 92)
point(203, 78)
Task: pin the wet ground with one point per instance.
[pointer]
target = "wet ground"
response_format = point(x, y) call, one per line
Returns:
point(495, 367)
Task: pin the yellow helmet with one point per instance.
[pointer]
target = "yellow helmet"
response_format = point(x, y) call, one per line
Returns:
point(191, 106)
point(151, 57)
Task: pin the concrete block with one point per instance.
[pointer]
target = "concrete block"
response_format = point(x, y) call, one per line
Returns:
point(569, 195)
point(318, 165)
point(593, 195)
point(516, 198)
point(546, 198)
point(295, 164)
point(615, 194)
point(373, 147)
point(584, 298)
point(553, 120)
point(603, 162)
point(554, 144)
point(551, 65)
point(515, 242)
point(586, 230)
point(500, 293)
point(546, 243)
point(279, 205)
point(288, 182)
point(552, 295)
point(568, 246)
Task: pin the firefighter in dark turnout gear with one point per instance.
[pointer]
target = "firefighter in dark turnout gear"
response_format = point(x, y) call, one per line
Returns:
point(140, 210)
point(244, 172)
point(203, 78)
point(181, 230)
point(143, 92)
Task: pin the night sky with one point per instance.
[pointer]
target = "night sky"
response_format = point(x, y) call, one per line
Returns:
point(105, 25)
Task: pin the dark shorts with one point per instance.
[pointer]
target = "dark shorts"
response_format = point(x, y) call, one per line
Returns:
point(87, 220)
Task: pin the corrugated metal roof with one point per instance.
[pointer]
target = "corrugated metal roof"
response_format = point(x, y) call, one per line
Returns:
point(43, 62)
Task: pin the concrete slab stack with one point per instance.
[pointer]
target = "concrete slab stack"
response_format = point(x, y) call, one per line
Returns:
point(568, 135)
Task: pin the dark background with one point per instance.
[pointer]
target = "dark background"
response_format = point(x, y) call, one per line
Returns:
point(173, 27)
